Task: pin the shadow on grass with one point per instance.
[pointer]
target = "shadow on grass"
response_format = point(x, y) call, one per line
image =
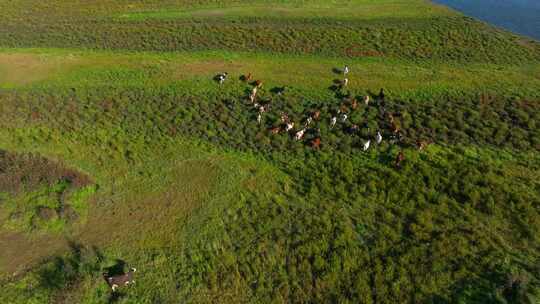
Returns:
point(64, 272)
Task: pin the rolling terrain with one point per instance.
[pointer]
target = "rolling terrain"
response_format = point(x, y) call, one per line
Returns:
point(118, 149)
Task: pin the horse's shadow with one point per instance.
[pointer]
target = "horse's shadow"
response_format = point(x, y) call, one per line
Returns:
point(244, 78)
point(217, 77)
point(341, 95)
point(114, 297)
point(372, 94)
point(334, 88)
point(277, 90)
point(337, 71)
point(116, 269)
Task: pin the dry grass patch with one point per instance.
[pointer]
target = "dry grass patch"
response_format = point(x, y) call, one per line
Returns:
point(20, 69)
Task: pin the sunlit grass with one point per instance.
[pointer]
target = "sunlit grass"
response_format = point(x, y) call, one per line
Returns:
point(308, 74)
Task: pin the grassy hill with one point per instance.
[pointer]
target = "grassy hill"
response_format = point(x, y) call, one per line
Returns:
point(118, 150)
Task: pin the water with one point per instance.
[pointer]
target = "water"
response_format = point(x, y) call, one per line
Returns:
point(518, 16)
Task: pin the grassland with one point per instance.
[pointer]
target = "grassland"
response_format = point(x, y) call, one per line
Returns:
point(212, 208)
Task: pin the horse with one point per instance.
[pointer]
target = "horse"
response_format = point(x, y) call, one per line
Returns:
point(422, 144)
point(246, 78)
point(257, 83)
point(378, 138)
point(333, 121)
point(275, 130)
point(308, 121)
point(346, 70)
point(399, 159)
point(284, 117)
point(121, 280)
point(289, 126)
point(316, 143)
point(300, 134)
point(366, 145)
point(354, 104)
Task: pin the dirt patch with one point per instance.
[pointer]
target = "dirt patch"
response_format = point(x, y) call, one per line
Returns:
point(20, 251)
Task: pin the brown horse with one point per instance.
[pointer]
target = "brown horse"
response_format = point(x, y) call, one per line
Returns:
point(284, 117)
point(399, 159)
point(422, 144)
point(316, 143)
point(247, 77)
point(395, 128)
point(257, 83)
point(275, 130)
point(354, 103)
point(343, 108)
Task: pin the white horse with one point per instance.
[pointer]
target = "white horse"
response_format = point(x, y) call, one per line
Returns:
point(300, 134)
point(366, 145)
point(259, 118)
point(378, 138)
point(366, 100)
point(289, 126)
point(333, 121)
point(253, 95)
point(222, 77)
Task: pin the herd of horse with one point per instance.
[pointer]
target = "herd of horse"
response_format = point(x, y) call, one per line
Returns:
point(298, 130)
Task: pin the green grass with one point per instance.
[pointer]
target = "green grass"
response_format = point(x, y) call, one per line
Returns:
point(420, 31)
point(308, 75)
point(347, 10)
point(210, 207)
